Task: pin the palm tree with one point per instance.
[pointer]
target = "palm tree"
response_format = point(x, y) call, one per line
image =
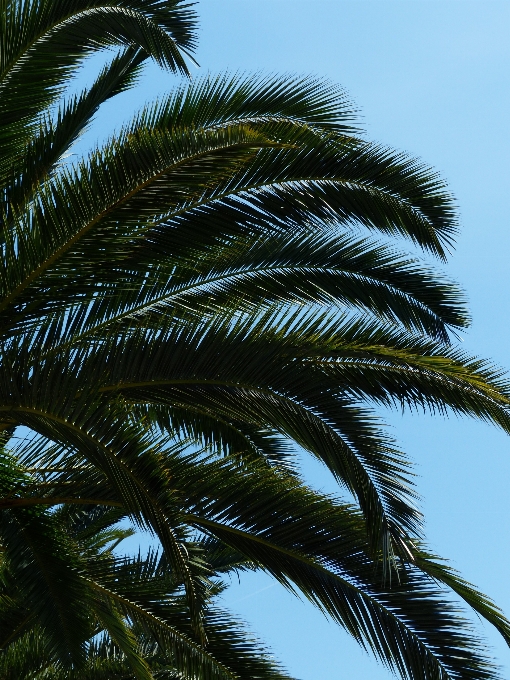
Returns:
point(132, 620)
point(223, 277)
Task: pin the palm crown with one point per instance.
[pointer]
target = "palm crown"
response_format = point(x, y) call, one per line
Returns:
point(223, 277)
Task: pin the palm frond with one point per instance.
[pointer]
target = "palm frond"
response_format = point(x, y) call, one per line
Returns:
point(43, 41)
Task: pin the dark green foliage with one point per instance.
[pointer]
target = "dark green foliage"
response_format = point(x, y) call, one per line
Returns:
point(130, 618)
point(226, 278)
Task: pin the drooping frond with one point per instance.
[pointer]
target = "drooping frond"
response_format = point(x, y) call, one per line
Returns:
point(222, 280)
point(44, 41)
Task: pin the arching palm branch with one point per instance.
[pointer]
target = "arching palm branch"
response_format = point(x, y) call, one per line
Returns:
point(270, 520)
point(228, 268)
point(129, 618)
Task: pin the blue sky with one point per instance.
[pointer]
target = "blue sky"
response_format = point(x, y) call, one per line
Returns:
point(430, 77)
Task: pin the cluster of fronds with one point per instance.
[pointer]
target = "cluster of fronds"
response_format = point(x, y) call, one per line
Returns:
point(224, 279)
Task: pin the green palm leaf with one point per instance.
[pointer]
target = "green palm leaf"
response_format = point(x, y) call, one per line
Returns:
point(133, 605)
point(223, 279)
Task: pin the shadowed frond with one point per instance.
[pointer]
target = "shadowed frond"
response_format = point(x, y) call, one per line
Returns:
point(219, 282)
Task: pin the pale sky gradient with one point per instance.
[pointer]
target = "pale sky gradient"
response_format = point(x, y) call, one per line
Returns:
point(431, 78)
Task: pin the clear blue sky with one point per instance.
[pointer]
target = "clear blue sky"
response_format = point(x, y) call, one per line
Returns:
point(430, 77)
